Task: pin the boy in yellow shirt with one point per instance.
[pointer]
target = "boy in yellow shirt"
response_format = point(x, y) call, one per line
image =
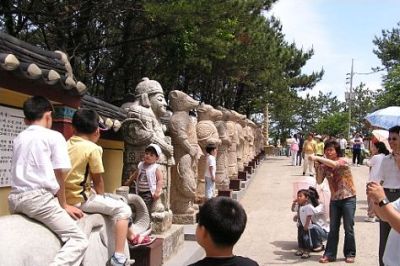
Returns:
point(309, 148)
point(87, 166)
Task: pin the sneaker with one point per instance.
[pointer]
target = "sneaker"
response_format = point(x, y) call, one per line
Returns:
point(370, 219)
point(114, 262)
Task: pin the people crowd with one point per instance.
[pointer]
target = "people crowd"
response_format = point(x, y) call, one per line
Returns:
point(326, 158)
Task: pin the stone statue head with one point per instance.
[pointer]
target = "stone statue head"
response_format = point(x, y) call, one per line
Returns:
point(180, 101)
point(207, 112)
point(151, 94)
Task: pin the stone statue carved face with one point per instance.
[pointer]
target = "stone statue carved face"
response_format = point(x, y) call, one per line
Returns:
point(158, 104)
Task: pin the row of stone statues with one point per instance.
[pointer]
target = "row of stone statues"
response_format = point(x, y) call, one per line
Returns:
point(183, 138)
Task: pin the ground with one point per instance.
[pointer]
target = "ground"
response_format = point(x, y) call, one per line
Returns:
point(270, 236)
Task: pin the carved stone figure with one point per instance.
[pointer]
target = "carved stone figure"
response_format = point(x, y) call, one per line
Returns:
point(239, 150)
point(28, 242)
point(142, 127)
point(252, 127)
point(207, 133)
point(232, 149)
point(186, 154)
point(222, 178)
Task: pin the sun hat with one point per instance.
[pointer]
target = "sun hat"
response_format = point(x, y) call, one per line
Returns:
point(318, 136)
point(156, 148)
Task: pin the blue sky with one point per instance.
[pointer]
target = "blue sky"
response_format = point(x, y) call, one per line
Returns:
point(338, 30)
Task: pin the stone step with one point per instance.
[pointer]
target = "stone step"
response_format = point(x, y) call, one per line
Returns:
point(188, 253)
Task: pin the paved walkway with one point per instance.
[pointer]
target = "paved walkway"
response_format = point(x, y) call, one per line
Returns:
point(270, 236)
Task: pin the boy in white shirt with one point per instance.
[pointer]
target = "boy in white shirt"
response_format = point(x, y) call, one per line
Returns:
point(211, 150)
point(39, 166)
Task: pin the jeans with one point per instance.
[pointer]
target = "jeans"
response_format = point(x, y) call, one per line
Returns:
point(341, 208)
point(209, 187)
point(357, 156)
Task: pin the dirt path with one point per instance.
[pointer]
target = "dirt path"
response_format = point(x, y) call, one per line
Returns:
point(270, 236)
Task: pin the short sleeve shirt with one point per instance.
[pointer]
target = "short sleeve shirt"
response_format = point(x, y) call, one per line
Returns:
point(211, 162)
point(391, 257)
point(339, 178)
point(304, 211)
point(86, 158)
point(37, 151)
point(375, 164)
point(389, 172)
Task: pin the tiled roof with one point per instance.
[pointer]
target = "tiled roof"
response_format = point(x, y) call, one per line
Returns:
point(26, 61)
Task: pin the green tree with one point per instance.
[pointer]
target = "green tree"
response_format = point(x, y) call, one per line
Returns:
point(332, 124)
point(388, 51)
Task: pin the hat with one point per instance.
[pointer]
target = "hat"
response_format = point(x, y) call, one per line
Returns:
point(156, 148)
point(318, 137)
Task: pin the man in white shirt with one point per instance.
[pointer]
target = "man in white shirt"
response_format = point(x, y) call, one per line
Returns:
point(389, 174)
point(343, 145)
point(39, 166)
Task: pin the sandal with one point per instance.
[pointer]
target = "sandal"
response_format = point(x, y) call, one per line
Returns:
point(350, 259)
point(319, 249)
point(305, 255)
point(140, 240)
point(298, 253)
point(325, 259)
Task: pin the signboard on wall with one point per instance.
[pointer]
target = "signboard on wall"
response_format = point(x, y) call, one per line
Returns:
point(11, 124)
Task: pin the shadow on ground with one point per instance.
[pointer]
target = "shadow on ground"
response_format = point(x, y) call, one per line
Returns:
point(286, 250)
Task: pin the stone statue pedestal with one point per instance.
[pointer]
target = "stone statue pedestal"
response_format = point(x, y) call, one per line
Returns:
point(172, 240)
point(161, 221)
point(225, 193)
point(242, 175)
point(234, 184)
point(187, 218)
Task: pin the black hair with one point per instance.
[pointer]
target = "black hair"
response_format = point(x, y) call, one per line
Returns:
point(35, 107)
point(152, 150)
point(381, 147)
point(85, 121)
point(335, 145)
point(224, 219)
point(395, 129)
point(210, 148)
point(313, 196)
point(305, 192)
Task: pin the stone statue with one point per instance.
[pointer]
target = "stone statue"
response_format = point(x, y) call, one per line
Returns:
point(252, 127)
point(207, 133)
point(232, 149)
point(141, 128)
point(222, 178)
point(239, 149)
point(186, 154)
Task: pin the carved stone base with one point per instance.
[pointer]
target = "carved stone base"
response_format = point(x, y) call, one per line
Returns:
point(148, 255)
point(224, 193)
point(172, 241)
point(242, 175)
point(184, 218)
point(162, 221)
point(234, 184)
point(249, 169)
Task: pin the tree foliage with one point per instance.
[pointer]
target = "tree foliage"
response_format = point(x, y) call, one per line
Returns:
point(221, 52)
point(388, 51)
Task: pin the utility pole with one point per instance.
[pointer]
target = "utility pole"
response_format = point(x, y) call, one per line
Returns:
point(349, 96)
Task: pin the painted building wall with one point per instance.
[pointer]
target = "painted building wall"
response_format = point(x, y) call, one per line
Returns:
point(112, 152)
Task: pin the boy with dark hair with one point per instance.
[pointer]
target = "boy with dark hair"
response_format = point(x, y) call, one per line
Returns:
point(39, 166)
point(222, 221)
point(87, 166)
point(209, 177)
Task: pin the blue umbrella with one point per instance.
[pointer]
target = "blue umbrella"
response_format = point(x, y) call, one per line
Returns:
point(385, 118)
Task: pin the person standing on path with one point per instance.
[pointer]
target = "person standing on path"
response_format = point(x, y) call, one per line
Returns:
point(309, 148)
point(343, 201)
point(300, 154)
point(294, 148)
point(319, 146)
point(379, 152)
point(389, 174)
point(343, 145)
point(357, 143)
